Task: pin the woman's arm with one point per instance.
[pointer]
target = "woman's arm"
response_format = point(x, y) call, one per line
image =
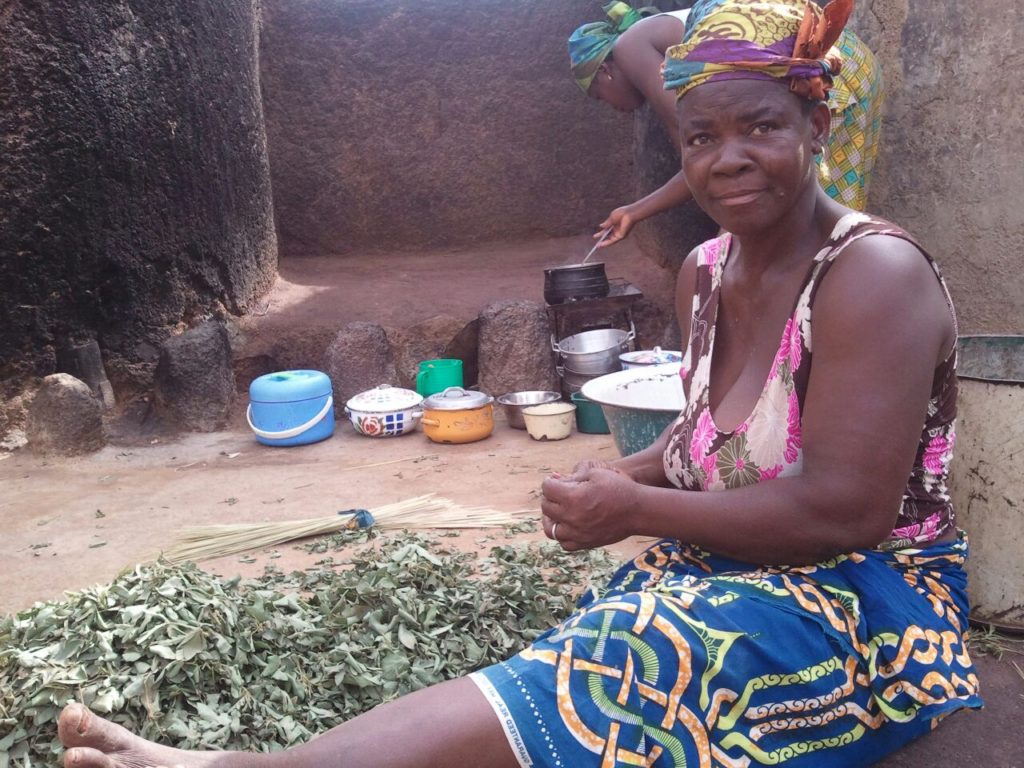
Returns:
point(881, 326)
point(641, 61)
point(672, 193)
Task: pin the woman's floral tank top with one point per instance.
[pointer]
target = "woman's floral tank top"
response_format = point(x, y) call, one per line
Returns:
point(768, 443)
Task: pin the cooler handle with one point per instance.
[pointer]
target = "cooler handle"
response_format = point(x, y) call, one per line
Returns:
point(294, 431)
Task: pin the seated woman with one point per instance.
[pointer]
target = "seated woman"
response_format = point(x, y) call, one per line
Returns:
point(617, 61)
point(806, 605)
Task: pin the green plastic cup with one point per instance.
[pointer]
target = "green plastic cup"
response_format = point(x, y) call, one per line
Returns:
point(589, 416)
point(437, 375)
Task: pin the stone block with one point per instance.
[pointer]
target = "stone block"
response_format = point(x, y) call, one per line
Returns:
point(194, 384)
point(515, 348)
point(359, 359)
point(65, 418)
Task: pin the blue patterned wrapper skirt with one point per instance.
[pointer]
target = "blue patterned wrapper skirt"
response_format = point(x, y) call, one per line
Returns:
point(690, 659)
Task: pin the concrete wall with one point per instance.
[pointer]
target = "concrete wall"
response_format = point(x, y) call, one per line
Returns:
point(950, 164)
point(414, 123)
point(135, 188)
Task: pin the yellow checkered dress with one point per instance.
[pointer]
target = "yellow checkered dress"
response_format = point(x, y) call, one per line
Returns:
point(856, 102)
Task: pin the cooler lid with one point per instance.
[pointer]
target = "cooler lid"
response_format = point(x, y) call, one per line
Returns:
point(289, 386)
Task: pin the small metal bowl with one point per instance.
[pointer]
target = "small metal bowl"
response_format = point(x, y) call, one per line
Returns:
point(515, 402)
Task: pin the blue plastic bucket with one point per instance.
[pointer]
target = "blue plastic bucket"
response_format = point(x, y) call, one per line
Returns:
point(291, 408)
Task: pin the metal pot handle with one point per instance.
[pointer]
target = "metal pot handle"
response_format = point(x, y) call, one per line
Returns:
point(632, 331)
point(554, 345)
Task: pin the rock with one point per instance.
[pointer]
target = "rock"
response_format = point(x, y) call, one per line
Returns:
point(515, 348)
point(15, 400)
point(84, 361)
point(65, 418)
point(194, 384)
point(428, 340)
point(359, 359)
point(13, 439)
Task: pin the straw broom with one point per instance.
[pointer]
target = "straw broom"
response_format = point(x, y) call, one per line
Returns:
point(422, 512)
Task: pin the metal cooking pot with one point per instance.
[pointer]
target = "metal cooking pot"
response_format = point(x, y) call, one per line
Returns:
point(575, 281)
point(594, 352)
point(458, 415)
point(574, 381)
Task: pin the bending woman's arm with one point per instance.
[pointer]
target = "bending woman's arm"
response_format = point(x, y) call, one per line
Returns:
point(881, 326)
point(641, 62)
point(672, 193)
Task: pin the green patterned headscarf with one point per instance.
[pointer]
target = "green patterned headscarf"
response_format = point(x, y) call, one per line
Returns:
point(591, 43)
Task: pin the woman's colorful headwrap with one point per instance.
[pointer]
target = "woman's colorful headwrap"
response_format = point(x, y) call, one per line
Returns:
point(759, 39)
point(590, 44)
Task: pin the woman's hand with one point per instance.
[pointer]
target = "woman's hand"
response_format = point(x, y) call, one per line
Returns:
point(591, 508)
point(620, 221)
point(584, 467)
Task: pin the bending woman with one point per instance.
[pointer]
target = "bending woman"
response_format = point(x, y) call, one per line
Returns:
point(806, 603)
point(618, 61)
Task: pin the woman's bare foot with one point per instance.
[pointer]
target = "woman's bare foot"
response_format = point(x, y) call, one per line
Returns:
point(92, 742)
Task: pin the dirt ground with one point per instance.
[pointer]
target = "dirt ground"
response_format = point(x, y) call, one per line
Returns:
point(70, 523)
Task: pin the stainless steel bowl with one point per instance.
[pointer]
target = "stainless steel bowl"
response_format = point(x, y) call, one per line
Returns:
point(514, 402)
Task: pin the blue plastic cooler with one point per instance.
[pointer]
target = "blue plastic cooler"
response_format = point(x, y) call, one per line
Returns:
point(291, 408)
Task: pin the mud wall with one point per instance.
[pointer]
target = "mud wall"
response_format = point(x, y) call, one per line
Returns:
point(949, 169)
point(949, 163)
point(668, 237)
point(413, 123)
point(136, 190)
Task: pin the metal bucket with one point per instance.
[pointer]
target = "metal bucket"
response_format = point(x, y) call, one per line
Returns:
point(987, 475)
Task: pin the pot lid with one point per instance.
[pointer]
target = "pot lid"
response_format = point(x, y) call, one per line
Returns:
point(590, 266)
point(456, 399)
point(384, 398)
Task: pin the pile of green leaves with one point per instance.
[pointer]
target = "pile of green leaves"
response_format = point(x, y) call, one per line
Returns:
point(189, 659)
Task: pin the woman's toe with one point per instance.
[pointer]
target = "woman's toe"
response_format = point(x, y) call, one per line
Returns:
point(78, 727)
point(87, 757)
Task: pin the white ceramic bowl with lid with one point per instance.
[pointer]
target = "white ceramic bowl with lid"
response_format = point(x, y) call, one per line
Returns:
point(385, 411)
point(645, 357)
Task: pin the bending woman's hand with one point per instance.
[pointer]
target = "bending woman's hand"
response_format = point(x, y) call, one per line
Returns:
point(620, 221)
point(590, 509)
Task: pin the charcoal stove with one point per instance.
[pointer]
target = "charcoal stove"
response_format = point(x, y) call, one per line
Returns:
point(612, 311)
